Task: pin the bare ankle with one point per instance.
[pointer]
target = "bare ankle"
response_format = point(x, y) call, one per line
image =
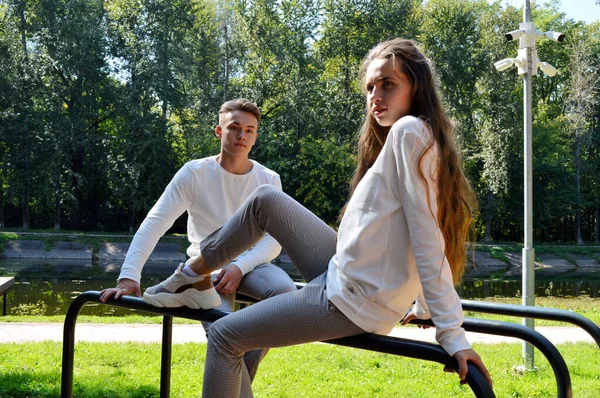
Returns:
point(199, 266)
point(204, 284)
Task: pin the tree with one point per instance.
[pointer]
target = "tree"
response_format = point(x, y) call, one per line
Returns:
point(497, 119)
point(582, 98)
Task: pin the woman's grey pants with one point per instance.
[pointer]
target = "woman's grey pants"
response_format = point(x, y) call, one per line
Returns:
point(264, 281)
point(302, 316)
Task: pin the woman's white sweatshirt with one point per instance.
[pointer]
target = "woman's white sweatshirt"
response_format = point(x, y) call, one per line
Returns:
point(389, 245)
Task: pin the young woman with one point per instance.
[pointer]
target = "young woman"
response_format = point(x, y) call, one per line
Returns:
point(401, 236)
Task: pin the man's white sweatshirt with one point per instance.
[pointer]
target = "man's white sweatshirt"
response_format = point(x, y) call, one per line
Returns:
point(210, 195)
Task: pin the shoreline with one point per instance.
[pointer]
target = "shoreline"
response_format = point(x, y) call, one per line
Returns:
point(109, 254)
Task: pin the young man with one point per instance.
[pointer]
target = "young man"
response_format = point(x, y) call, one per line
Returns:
point(210, 190)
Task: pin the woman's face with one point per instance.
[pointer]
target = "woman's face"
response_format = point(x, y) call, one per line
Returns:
point(389, 92)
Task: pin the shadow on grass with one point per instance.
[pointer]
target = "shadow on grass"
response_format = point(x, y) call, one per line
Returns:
point(38, 384)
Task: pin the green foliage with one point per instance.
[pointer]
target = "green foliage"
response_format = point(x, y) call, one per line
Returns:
point(102, 101)
point(324, 169)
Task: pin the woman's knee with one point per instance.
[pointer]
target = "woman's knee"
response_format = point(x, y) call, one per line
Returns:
point(277, 289)
point(265, 190)
point(267, 195)
point(219, 337)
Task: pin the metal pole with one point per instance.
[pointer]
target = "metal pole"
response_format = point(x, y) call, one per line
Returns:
point(165, 363)
point(528, 251)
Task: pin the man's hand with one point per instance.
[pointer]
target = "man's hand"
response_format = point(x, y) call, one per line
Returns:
point(228, 279)
point(469, 355)
point(124, 287)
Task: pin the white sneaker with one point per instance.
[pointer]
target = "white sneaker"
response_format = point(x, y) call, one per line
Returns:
point(178, 291)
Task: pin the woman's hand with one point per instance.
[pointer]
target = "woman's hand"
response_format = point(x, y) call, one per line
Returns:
point(124, 287)
point(470, 355)
point(410, 315)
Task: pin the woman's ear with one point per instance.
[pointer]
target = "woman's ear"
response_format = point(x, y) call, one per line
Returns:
point(218, 131)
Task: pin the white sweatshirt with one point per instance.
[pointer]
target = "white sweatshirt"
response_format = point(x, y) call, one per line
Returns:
point(389, 246)
point(210, 195)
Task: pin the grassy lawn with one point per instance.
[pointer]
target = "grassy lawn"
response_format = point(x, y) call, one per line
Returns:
point(312, 370)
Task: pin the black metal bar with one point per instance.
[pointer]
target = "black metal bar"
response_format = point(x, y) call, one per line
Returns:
point(552, 314)
point(561, 372)
point(4, 304)
point(69, 343)
point(557, 362)
point(418, 350)
point(394, 345)
point(165, 362)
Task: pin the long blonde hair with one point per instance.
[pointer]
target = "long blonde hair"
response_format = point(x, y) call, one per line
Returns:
point(455, 198)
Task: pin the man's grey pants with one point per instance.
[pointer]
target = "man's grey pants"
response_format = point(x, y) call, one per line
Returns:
point(297, 317)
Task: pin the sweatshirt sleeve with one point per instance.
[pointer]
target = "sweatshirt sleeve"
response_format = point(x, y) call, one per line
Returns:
point(265, 250)
point(174, 201)
point(420, 309)
point(410, 138)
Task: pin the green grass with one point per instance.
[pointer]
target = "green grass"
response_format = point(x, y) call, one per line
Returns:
point(313, 370)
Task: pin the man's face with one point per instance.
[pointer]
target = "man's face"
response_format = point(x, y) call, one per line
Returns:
point(237, 131)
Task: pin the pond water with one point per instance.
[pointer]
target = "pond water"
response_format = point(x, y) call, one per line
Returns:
point(48, 289)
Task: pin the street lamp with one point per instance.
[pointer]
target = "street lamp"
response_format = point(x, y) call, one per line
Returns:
point(527, 63)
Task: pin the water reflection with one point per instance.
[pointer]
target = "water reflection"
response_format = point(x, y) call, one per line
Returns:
point(48, 288)
point(555, 287)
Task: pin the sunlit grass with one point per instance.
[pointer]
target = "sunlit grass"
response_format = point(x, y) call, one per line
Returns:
point(312, 370)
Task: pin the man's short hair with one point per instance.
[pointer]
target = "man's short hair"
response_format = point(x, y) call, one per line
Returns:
point(240, 104)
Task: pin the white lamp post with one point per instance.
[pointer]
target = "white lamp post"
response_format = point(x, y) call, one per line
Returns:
point(527, 63)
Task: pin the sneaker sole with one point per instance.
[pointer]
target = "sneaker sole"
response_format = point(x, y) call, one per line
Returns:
point(188, 298)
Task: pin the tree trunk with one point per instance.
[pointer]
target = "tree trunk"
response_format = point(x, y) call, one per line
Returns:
point(76, 170)
point(488, 217)
point(25, 206)
point(165, 66)
point(26, 188)
point(226, 82)
point(132, 218)
point(57, 202)
point(578, 184)
point(597, 225)
point(2, 216)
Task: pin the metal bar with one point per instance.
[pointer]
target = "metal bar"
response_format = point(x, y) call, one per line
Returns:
point(557, 362)
point(4, 304)
point(69, 344)
point(417, 350)
point(393, 345)
point(551, 314)
point(165, 363)
point(528, 252)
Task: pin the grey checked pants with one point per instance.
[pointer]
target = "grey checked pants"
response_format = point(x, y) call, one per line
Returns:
point(264, 281)
point(296, 317)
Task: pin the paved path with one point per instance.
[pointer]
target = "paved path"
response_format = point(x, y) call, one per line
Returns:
point(24, 332)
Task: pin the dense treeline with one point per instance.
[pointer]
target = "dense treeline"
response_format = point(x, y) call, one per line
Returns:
point(102, 100)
